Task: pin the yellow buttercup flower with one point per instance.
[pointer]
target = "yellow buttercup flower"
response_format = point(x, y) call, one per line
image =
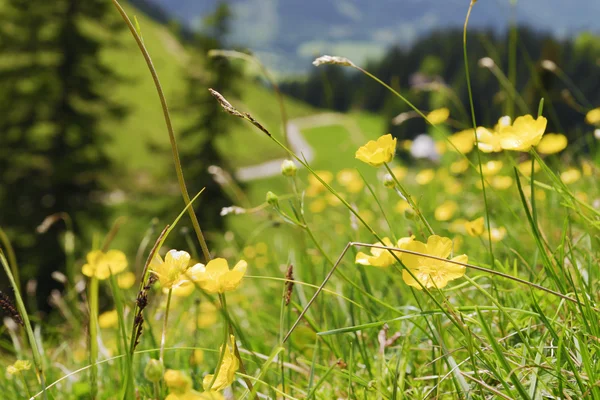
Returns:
point(382, 257)
point(170, 272)
point(126, 280)
point(177, 382)
point(378, 257)
point(475, 227)
point(101, 265)
point(491, 168)
point(208, 315)
point(350, 179)
point(399, 172)
point(438, 116)
point(216, 277)
point(460, 166)
point(194, 395)
point(183, 289)
point(525, 167)
point(18, 366)
point(425, 176)
point(226, 373)
point(497, 234)
point(571, 175)
point(593, 116)
point(315, 186)
point(318, 205)
point(463, 141)
point(108, 319)
point(446, 210)
point(523, 134)
point(501, 182)
point(552, 143)
point(377, 152)
point(432, 272)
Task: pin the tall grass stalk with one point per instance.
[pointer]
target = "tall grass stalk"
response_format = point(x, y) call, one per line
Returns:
point(37, 356)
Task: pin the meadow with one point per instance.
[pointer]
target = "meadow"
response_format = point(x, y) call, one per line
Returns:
point(463, 266)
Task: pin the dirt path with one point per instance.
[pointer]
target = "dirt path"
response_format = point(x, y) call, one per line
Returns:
point(299, 145)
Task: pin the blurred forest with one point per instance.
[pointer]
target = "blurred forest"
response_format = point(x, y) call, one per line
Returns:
point(431, 74)
point(55, 173)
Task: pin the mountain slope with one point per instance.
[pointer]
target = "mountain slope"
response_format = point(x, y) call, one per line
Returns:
point(287, 33)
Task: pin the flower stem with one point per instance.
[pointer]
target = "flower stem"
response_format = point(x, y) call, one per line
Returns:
point(163, 338)
point(470, 91)
point(93, 295)
point(409, 200)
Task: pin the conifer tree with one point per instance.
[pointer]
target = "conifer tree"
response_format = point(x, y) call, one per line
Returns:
point(53, 96)
point(198, 140)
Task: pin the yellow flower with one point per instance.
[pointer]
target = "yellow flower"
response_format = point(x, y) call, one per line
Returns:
point(197, 357)
point(126, 280)
point(350, 179)
point(502, 182)
point(571, 175)
point(18, 366)
point(399, 172)
point(446, 210)
point(552, 143)
point(463, 141)
point(318, 205)
point(441, 147)
point(315, 186)
point(438, 116)
point(249, 251)
point(108, 319)
point(587, 168)
point(101, 265)
point(452, 186)
point(497, 234)
point(524, 133)
point(194, 395)
point(226, 373)
point(379, 257)
point(177, 381)
point(170, 272)
point(459, 166)
point(261, 248)
point(525, 167)
point(593, 116)
point(491, 168)
point(216, 277)
point(183, 289)
point(431, 272)
point(475, 227)
point(208, 315)
point(425, 176)
point(378, 152)
point(401, 206)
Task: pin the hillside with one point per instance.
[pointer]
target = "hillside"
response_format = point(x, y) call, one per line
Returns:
point(287, 33)
point(140, 143)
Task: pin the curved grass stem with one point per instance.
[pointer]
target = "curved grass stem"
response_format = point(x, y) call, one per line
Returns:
point(167, 116)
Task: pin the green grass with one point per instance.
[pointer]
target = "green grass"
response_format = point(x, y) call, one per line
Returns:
point(526, 326)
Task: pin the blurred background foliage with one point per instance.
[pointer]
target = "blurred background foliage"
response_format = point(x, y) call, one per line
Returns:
point(83, 141)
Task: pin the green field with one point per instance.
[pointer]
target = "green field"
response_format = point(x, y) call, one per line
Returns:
point(487, 288)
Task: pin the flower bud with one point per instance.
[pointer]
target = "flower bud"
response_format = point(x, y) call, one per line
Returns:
point(177, 381)
point(272, 199)
point(288, 168)
point(154, 370)
point(388, 181)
